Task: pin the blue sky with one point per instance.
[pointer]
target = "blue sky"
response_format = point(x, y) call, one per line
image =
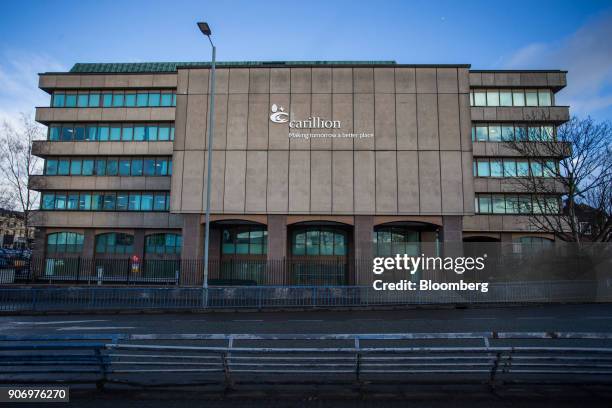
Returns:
point(39, 36)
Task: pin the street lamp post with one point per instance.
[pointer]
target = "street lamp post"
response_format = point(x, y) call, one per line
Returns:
point(205, 29)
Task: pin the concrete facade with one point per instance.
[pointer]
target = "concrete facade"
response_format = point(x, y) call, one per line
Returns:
point(415, 172)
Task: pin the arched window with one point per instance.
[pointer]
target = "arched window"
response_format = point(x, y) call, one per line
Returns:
point(64, 242)
point(163, 244)
point(535, 241)
point(319, 241)
point(114, 243)
point(390, 241)
point(245, 240)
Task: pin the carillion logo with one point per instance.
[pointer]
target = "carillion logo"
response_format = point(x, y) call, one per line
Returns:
point(279, 115)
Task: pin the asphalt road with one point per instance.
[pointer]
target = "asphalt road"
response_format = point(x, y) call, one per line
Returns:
point(578, 318)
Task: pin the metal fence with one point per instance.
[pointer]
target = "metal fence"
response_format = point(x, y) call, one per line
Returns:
point(80, 299)
point(491, 358)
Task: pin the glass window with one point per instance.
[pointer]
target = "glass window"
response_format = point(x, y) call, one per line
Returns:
point(171, 132)
point(495, 133)
point(67, 133)
point(480, 98)
point(163, 244)
point(531, 98)
point(505, 98)
point(518, 98)
point(128, 133)
point(550, 168)
point(63, 168)
point(547, 133)
point(146, 202)
point(524, 204)
point(522, 168)
point(60, 201)
point(520, 133)
point(533, 133)
point(139, 133)
point(101, 167)
point(136, 167)
point(552, 205)
point(141, 99)
point(97, 201)
point(117, 100)
point(509, 168)
point(85, 202)
point(536, 168)
point(71, 100)
point(59, 99)
point(483, 168)
point(472, 98)
point(152, 132)
point(64, 242)
point(114, 243)
point(166, 99)
point(109, 201)
point(48, 201)
point(115, 133)
point(79, 133)
point(164, 133)
point(497, 168)
point(512, 204)
point(134, 204)
point(498, 204)
point(159, 203)
point(484, 204)
point(54, 133)
point(51, 167)
point(154, 99)
point(92, 132)
point(492, 98)
point(72, 201)
point(161, 167)
point(83, 100)
point(103, 133)
point(544, 97)
point(112, 167)
point(130, 99)
point(481, 133)
point(149, 167)
point(75, 167)
point(107, 99)
point(124, 167)
point(122, 201)
point(94, 100)
point(507, 133)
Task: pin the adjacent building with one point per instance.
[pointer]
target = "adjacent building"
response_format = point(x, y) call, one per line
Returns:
point(335, 161)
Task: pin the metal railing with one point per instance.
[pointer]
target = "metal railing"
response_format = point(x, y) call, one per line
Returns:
point(101, 298)
point(491, 358)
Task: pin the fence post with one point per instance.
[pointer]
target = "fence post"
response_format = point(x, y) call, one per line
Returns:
point(226, 364)
point(100, 383)
point(357, 363)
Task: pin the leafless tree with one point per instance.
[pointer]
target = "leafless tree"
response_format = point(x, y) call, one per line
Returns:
point(583, 178)
point(17, 163)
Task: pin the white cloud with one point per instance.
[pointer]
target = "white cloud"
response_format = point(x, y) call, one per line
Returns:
point(19, 91)
point(587, 56)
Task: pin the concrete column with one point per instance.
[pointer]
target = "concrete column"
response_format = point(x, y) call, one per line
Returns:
point(193, 237)
point(363, 250)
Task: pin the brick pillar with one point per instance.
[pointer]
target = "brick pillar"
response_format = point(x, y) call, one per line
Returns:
point(277, 270)
point(40, 243)
point(363, 250)
point(139, 243)
point(193, 237)
point(452, 235)
point(89, 244)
